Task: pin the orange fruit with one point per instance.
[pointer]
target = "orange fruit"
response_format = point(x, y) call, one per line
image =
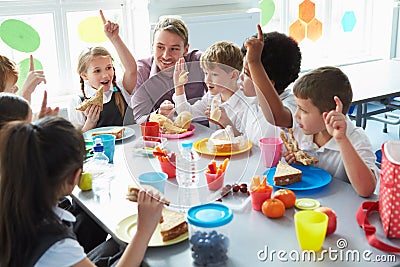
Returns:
point(287, 196)
point(273, 208)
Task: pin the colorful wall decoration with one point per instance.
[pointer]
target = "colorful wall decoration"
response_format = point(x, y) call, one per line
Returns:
point(91, 30)
point(307, 25)
point(24, 38)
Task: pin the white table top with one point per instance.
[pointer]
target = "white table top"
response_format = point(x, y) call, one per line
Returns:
point(373, 80)
point(250, 231)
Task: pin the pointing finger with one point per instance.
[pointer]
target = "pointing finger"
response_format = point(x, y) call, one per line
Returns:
point(102, 17)
point(31, 63)
point(44, 102)
point(339, 105)
point(260, 33)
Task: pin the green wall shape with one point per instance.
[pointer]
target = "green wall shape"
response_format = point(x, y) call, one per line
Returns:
point(19, 36)
point(267, 8)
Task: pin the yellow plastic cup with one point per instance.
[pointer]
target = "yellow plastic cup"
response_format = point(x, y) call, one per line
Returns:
point(310, 229)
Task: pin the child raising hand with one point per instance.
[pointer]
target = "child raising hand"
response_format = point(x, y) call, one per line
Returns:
point(95, 67)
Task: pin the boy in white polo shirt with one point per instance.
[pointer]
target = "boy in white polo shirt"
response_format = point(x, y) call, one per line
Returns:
point(222, 64)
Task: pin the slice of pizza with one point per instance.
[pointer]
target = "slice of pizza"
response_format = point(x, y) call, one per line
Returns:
point(97, 100)
point(292, 146)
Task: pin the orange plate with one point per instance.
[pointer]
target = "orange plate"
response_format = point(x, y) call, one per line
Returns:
point(201, 147)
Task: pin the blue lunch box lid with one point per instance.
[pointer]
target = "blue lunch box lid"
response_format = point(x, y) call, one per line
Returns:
point(209, 215)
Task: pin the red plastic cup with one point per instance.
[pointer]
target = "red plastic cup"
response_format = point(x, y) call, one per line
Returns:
point(215, 182)
point(150, 128)
point(168, 168)
point(258, 198)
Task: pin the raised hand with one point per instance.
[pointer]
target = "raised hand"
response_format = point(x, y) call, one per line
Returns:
point(180, 74)
point(335, 120)
point(111, 29)
point(46, 111)
point(254, 46)
point(33, 79)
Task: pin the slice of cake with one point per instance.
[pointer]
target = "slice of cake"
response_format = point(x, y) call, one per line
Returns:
point(286, 174)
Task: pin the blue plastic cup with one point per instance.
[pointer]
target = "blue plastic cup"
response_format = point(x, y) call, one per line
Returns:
point(108, 141)
point(155, 179)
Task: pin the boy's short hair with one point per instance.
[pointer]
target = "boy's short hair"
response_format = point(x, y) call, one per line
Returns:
point(321, 85)
point(226, 54)
point(281, 58)
point(8, 70)
point(173, 25)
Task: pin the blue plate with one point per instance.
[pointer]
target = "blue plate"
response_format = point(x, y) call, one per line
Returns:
point(313, 178)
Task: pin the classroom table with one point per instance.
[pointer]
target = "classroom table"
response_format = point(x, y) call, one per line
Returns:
point(255, 240)
point(372, 81)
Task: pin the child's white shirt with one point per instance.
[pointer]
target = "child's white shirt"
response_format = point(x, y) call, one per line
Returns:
point(255, 126)
point(329, 155)
point(197, 109)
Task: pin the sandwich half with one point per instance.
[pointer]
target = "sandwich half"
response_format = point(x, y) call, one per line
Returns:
point(173, 225)
point(286, 174)
point(118, 132)
point(97, 100)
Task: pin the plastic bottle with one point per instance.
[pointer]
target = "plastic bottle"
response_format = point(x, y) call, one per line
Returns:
point(98, 166)
point(186, 166)
point(99, 156)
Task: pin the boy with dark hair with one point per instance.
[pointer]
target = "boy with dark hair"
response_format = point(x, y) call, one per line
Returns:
point(279, 58)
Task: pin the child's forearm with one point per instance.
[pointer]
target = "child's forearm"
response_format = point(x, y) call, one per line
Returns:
point(179, 89)
point(360, 175)
point(134, 252)
point(268, 98)
point(129, 63)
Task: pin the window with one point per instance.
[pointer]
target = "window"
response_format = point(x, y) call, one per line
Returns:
point(55, 32)
point(332, 32)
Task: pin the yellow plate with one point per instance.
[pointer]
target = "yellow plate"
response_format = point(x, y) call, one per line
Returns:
point(126, 229)
point(201, 147)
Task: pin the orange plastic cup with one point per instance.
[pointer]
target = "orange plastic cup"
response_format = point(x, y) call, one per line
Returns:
point(169, 168)
point(215, 182)
point(258, 198)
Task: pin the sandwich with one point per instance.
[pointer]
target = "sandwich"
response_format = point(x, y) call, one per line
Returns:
point(97, 100)
point(173, 225)
point(293, 147)
point(183, 120)
point(181, 124)
point(215, 112)
point(118, 132)
point(133, 192)
point(286, 174)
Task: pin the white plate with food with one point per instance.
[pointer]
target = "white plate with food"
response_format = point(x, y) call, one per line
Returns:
point(126, 229)
point(114, 130)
